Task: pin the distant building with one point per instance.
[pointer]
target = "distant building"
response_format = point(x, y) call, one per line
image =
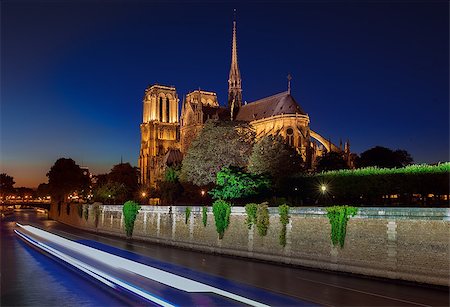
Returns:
point(165, 138)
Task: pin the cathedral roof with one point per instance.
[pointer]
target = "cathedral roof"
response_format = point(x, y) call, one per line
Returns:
point(173, 156)
point(282, 103)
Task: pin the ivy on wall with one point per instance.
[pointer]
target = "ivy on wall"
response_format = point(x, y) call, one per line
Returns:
point(130, 210)
point(262, 219)
point(96, 211)
point(205, 215)
point(338, 217)
point(86, 212)
point(80, 210)
point(221, 211)
point(187, 214)
point(283, 210)
point(251, 209)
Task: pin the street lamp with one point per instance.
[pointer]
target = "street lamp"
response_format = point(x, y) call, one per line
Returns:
point(203, 193)
point(323, 188)
point(143, 194)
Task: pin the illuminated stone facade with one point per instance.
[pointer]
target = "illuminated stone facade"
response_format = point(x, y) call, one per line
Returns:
point(164, 139)
point(159, 131)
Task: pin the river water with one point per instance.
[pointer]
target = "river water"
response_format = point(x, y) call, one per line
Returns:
point(29, 278)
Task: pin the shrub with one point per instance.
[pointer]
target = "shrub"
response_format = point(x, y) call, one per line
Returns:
point(339, 216)
point(80, 210)
point(251, 209)
point(96, 211)
point(187, 214)
point(262, 219)
point(221, 211)
point(234, 183)
point(86, 212)
point(130, 210)
point(283, 210)
point(205, 215)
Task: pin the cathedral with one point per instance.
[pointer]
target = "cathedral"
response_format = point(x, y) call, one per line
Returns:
point(165, 137)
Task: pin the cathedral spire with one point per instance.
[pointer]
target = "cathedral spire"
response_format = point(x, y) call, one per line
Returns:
point(234, 80)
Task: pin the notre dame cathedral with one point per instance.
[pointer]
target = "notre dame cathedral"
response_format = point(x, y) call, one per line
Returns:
point(165, 137)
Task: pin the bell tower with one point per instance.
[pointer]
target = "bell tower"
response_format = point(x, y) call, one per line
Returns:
point(234, 79)
point(159, 130)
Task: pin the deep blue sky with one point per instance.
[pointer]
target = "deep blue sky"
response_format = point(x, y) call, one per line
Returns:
point(73, 73)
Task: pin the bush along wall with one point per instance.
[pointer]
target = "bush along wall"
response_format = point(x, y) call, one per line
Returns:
point(370, 185)
point(262, 219)
point(86, 212)
point(251, 209)
point(96, 210)
point(283, 210)
point(204, 215)
point(221, 211)
point(338, 217)
point(130, 210)
point(187, 214)
point(80, 210)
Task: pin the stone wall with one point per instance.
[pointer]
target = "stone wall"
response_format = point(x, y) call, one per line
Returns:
point(400, 243)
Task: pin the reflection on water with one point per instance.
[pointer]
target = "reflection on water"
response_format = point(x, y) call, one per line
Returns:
point(30, 278)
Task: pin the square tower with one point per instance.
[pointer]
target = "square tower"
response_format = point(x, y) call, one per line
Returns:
point(159, 131)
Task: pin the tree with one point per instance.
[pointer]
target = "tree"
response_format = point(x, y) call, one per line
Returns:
point(219, 144)
point(118, 186)
point(126, 174)
point(43, 190)
point(6, 184)
point(331, 161)
point(234, 183)
point(170, 189)
point(385, 157)
point(66, 177)
point(272, 156)
point(111, 192)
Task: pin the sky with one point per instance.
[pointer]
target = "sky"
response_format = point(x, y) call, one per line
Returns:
point(73, 73)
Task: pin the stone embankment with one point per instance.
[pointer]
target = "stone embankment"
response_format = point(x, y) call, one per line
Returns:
point(400, 243)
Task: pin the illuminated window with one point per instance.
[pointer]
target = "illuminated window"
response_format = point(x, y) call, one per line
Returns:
point(167, 110)
point(290, 136)
point(160, 109)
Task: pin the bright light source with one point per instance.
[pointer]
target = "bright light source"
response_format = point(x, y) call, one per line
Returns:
point(323, 188)
point(203, 192)
point(143, 194)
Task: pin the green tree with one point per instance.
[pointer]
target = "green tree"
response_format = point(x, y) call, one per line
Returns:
point(272, 156)
point(110, 192)
point(234, 183)
point(6, 184)
point(219, 144)
point(331, 161)
point(66, 177)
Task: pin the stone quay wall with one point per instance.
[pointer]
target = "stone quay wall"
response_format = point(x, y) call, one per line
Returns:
point(399, 243)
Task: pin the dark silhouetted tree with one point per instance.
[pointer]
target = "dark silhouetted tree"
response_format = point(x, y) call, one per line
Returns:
point(66, 177)
point(43, 190)
point(120, 185)
point(384, 157)
point(6, 184)
point(331, 161)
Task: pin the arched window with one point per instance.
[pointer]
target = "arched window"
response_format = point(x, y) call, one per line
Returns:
point(167, 110)
point(160, 109)
point(290, 136)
